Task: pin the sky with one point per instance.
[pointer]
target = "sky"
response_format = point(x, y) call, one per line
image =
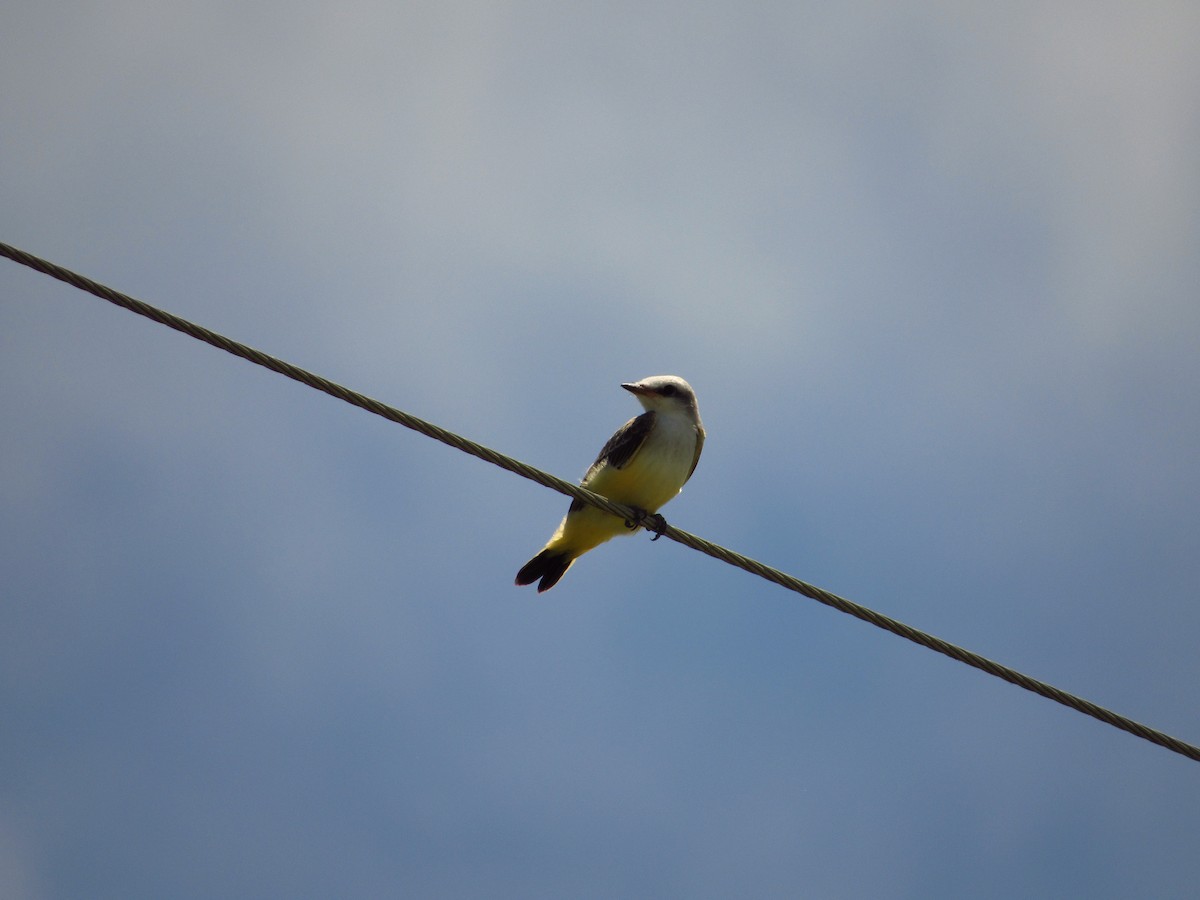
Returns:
point(931, 269)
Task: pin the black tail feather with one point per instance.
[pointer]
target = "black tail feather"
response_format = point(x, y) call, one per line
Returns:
point(547, 566)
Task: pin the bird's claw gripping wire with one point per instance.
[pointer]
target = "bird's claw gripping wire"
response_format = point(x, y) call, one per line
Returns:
point(658, 525)
point(650, 521)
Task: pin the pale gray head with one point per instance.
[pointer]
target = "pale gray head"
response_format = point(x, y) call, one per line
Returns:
point(665, 394)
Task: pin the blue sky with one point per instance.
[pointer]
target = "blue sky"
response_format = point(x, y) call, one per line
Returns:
point(932, 272)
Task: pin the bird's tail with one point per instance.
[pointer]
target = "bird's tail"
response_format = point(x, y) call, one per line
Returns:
point(549, 566)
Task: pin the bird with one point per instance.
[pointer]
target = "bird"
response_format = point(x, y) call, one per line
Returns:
point(643, 465)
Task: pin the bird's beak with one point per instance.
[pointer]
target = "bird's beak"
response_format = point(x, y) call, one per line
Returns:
point(636, 389)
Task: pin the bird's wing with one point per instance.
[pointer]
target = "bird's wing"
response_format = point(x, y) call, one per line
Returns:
point(624, 445)
point(620, 449)
point(699, 447)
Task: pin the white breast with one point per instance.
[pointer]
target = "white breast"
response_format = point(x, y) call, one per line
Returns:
point(661, 467)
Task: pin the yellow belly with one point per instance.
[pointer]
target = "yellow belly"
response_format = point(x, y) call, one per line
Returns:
point(647, 482)
point(584, 529)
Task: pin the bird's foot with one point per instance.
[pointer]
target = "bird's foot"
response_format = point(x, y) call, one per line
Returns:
point(650, 521)
point(658, 526)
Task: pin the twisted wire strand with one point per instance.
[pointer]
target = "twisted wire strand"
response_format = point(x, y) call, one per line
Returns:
point(303, 376)
point(636, 517)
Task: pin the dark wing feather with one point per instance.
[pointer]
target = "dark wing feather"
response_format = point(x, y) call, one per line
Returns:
point(699, 447)
point(621, 447)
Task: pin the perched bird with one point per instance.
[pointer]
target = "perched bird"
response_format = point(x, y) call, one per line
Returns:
point(643, 465)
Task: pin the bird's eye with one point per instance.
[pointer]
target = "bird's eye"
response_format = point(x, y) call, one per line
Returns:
point(669, 391)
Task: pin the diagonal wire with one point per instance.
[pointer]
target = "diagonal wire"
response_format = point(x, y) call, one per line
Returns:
point(296, 373)
point(1012, 676)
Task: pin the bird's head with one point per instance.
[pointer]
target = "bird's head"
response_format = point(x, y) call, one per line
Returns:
point(665, 393)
